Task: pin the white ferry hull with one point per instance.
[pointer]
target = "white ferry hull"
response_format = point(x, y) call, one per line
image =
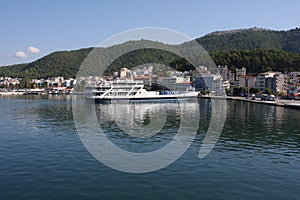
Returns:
point(156, 98)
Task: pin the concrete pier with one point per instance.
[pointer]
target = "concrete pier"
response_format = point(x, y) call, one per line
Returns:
point(277, 102)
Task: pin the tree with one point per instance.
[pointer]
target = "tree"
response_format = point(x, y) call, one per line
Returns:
point(25, 83)
point(268, 91)
point(236, 91)
point(254, 90)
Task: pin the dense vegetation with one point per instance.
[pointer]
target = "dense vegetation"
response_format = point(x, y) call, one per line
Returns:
point(63, 63)
point(258, 60)
point(143, 56)
point(251, 39)
point(257, 50)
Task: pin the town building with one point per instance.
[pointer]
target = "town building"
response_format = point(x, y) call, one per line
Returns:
point(240, 73)
point(149, 81)
point(223, 70)
point(213, 84)
point(185, 86)
point(247, 81)
point(275, 81)
point(294, 77)
point(203, 83)
point(294, 89)
point(230, 77)
point(125, 73)
point(260, 83)
point(167, 82)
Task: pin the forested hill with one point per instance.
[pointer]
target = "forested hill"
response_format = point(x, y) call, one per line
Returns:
point(258, 60)
point(256, 49)
point(60, 63)
point(254, 38)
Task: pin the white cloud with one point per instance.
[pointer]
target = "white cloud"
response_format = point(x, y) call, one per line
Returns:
point(32, 49)
point(21, 54)
point(25, 54)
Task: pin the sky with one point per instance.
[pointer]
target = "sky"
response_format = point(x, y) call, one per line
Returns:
point(32, 29)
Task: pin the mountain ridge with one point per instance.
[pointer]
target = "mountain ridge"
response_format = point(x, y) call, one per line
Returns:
point(236, 31)
point(250, 39)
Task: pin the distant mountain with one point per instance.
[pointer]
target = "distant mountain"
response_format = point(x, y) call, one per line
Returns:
point(250, 39)
point(237, 31)
point(256, 49)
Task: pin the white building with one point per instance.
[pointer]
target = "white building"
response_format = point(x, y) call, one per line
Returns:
point(126, 73)
point(275, 81)
point(240, 72)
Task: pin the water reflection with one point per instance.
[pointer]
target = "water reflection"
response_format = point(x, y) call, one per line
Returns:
point(139, 120)
point(266, 129)
point(145, 126)
point(111, 134)
point(30, 113)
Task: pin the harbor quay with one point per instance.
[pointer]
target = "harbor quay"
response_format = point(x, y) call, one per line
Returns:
point(277, 102)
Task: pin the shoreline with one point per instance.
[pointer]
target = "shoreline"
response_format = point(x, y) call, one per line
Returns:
point(11, 93)
point(277, 102)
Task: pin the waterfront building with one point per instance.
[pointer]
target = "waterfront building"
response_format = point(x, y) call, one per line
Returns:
point(275, 81)
point(218, 85)
point(226, 84)
point(294, 77)
point(240, 73)
point(247, 81)
point(185, 86)
point(125, 73)
point(203, 71)
point(148, 81)
point(199, 83)
point(212, 83)
point(293, 89)
point(181, 76)
point(230, 77)
point(69, 82)
point(223, 70)
point(260, 83)
point(168, 82)
point(9, 81)
point(203, 83)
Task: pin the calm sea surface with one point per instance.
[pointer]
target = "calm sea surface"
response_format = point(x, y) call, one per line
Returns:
point(42, 157)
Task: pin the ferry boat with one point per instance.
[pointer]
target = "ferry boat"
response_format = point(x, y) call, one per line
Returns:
point(132, 90)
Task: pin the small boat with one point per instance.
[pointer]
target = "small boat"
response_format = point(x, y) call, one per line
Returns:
point(132, 90)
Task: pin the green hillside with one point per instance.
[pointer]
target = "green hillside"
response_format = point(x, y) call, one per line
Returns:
point(250, 39)
point(258, 60)
point(61, 63)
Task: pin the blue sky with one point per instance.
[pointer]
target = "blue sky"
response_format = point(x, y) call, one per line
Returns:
point(35, 28)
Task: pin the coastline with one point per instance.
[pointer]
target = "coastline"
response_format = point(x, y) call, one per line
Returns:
point(277, 102)
point(11, 93)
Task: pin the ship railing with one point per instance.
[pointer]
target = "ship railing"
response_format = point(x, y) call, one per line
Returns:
point(107, 92)
point(135, 89)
